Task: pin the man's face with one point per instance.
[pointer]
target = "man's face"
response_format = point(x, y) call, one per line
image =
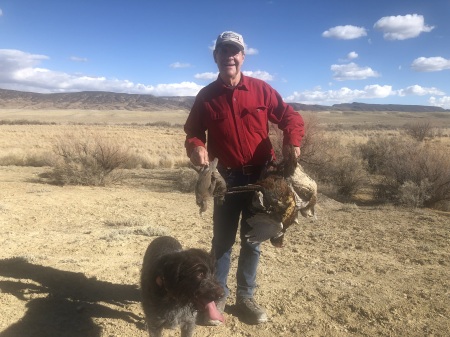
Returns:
point(229, 60)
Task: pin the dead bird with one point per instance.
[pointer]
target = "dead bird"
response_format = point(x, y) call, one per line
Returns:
point(283, 190)
point(209, 184)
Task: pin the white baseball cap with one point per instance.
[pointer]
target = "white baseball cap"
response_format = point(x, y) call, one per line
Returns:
point(230, 37)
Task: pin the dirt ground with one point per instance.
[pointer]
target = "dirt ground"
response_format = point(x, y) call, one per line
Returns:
point(70, 260)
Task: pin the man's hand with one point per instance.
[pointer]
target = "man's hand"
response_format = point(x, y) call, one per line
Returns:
point(199, 157)
point(287, 151)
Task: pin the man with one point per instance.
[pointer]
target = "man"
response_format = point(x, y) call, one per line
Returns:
point(229, 120)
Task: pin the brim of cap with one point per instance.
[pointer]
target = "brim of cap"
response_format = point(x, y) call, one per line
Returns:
point(241, 48)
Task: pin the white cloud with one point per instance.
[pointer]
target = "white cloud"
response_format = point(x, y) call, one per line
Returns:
point(342, 95)
point(180, 65)
point(347, 32)
point(352, 55)
point(171, 89)
point(402, 27)
point(251, 51)
point(12, 59)
point(19, 71)
point(78, 59)
point(1, 12)
point(351, 71)
point(443, 102)
point(420, 91)
point(207, 76)
point(376, 91)
point(423, 64)
point(262, 75)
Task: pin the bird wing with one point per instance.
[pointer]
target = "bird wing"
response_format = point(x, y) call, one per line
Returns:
point(305, 189)
point(264, 227)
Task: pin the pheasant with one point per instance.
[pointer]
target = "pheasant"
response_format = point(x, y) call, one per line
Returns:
point(283, 190)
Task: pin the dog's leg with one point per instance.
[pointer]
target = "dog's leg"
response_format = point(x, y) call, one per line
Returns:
point(187, 329)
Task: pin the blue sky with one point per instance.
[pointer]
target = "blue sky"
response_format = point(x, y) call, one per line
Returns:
point(314, 52)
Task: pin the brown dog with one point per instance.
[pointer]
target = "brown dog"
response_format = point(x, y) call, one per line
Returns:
point(175, 284)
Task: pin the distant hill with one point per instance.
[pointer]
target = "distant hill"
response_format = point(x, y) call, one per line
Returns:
point(91, 100)
point(101, 100)
point(355, 106)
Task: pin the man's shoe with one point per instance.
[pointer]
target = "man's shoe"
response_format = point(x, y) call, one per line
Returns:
point(203, 317)
point(250, 311)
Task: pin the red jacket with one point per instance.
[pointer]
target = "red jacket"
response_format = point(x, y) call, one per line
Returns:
point(234, 122)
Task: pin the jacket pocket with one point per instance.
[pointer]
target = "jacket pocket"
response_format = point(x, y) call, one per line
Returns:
point(256, 118)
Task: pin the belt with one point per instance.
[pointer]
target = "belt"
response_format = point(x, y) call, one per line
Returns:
point(246, 170)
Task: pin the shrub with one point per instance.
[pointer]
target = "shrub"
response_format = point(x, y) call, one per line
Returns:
point(408, 167)
point(348, 174)
point(186, 180)
point(88, 160)
point(414, 195)
point(337, 167)
point(342, 172)
point(315, 142)
point(419, 131)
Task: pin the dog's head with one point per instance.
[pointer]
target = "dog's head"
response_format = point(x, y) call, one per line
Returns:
point(188, 277)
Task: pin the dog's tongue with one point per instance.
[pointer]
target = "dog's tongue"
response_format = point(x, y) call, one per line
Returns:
point(213, 313)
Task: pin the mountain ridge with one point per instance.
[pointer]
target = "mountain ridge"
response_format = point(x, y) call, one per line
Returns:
point(105, 100)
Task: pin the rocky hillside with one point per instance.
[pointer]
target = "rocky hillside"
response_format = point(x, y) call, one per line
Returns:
point(100, 100)
point(91, 100)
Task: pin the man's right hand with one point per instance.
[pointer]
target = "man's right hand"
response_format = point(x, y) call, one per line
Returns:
point(199, 157)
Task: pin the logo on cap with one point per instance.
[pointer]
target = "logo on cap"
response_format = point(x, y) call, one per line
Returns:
point(230, 37)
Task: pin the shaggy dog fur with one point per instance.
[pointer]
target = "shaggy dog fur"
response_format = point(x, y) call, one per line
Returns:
point(175, 284)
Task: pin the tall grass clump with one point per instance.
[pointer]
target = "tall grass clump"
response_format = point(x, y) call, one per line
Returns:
point(32, 159)
point(88, 160)
point(411, 172)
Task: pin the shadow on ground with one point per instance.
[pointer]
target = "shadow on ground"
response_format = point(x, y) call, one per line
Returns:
point(63, 303)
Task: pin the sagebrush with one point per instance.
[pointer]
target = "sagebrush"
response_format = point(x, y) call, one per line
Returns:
point(87, 159)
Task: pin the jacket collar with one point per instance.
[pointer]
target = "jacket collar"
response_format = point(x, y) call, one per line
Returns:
point(242, 85)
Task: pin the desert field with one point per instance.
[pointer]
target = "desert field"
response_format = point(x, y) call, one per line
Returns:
point(70, 256)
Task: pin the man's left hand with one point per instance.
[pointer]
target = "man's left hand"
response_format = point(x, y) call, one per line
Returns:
point(287, 149)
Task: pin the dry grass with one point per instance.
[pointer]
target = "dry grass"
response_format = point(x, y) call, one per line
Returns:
point(156, 146)
point(156, 140)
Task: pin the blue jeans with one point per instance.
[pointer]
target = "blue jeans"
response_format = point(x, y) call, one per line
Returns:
point(225, 226)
